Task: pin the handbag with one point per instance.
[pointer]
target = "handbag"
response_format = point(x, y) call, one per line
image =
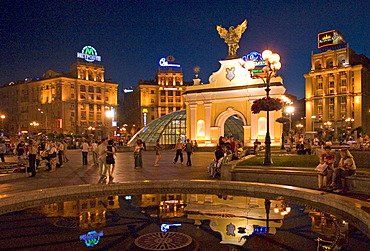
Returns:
point(321, 168)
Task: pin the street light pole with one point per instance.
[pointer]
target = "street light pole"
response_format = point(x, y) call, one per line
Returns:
point(2, 122)
point(273, 65)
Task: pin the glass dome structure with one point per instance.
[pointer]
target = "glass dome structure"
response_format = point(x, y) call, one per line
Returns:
point(169, 128)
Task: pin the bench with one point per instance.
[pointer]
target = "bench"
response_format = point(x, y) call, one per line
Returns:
point(293, 176)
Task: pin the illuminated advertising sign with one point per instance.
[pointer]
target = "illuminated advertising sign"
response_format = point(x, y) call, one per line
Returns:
point(89, 54)
point(166, 227)
point(164, 62)
point(91, 238)
point(256, 57)
point(329, 39)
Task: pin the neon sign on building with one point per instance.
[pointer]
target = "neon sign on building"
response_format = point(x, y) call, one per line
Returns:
point(164, 63)
point(256, 57)
point(92, 238)
point(89, 54)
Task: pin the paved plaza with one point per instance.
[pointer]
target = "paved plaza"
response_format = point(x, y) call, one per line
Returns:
point(74, 173)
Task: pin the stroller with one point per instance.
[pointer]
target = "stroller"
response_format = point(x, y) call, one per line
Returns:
point(215, 167)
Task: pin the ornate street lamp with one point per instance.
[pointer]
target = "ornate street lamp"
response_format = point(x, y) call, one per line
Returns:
point(2, 122)
point(273, 65)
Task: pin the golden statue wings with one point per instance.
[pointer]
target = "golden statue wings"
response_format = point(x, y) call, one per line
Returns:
point(232, 37)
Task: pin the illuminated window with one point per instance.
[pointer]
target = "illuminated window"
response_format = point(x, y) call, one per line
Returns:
point(170, 100)
point(178, 100)
point(200, 128)
point(91, 96)
point(83, 115)
point(83, 107)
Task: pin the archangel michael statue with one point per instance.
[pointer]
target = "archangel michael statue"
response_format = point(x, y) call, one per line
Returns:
point(232, 37)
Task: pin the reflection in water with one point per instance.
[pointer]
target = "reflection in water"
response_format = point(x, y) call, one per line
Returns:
point(212, 222)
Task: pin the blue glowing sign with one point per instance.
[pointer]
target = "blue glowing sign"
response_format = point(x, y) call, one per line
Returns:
point(91, 238)
point(166, 227)
point(256, 57)
point(260, 230)
point(164, 62)
point(89, 54)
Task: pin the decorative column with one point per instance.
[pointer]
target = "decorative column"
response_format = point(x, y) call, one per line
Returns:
point(193, 120)
point(207, 120)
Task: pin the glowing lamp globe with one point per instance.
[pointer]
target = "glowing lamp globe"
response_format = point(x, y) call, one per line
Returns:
point(266, 54)
point(250, 65)
point(276, 66)
point(274, 58)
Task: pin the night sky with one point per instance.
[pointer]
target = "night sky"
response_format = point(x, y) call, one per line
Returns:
point(131, 36)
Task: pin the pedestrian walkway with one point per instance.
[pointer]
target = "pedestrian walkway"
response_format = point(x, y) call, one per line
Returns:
point(74, 173)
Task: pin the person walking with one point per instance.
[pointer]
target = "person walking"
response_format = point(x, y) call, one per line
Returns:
point(65, 144)
point(101, 152)
point(137, 154)
point(60, 147)
point(110, 160)
point(189, 151)
point(179, 147)
point(2, 151)
point(157, 153)
point(32, 152)
point(53, 153)
point(94, 146)
point(85, 152)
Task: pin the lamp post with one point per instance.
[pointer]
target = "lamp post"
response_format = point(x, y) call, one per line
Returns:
point(290, 110)
point(2, 122)
point(273, 65)
point(34, 124)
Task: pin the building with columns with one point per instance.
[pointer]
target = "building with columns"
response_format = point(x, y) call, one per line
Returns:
point(230, 93)
point(69, 103)
point(337, 90)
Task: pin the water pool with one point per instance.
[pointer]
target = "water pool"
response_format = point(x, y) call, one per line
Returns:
point(178, 221)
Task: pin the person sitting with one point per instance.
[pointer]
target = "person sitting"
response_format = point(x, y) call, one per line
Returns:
point(346, 167)
point(327, 158)
point(300, 149)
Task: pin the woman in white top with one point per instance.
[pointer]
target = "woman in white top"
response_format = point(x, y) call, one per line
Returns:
point(346, 167)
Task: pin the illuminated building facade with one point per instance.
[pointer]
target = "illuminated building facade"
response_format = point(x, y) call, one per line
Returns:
point(337, 88)
point(70, 103)
point(152, 99)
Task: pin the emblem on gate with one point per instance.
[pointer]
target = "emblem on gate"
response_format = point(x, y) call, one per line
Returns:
point(230, 74)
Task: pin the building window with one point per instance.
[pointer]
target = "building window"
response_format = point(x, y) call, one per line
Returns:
point(319, 86)
point(178, 93)
point(82, 88)
point(72, 114)
point(178, 108)
point(331, 84)
point(98, 108)
point(83, 107)
point(73, 124)
point(91, 115)
point(162, 114)
point(98, 89)
point(163, 100)
point(82, 96)
point(83, 115)
point(72, 86)
point(152, 101)
point(98, 97)
point(178, 100)
point(98, 116)
point(91, 88)
point(91, 96)
point(91, 107)
point(163, 93)
point(170, 100)
point(106, 99)
point(72, 106)
point(170, 109)
point(152, 117)
point(72, 95)
point(152, 109)
point(151, 91)
point(170, 93)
